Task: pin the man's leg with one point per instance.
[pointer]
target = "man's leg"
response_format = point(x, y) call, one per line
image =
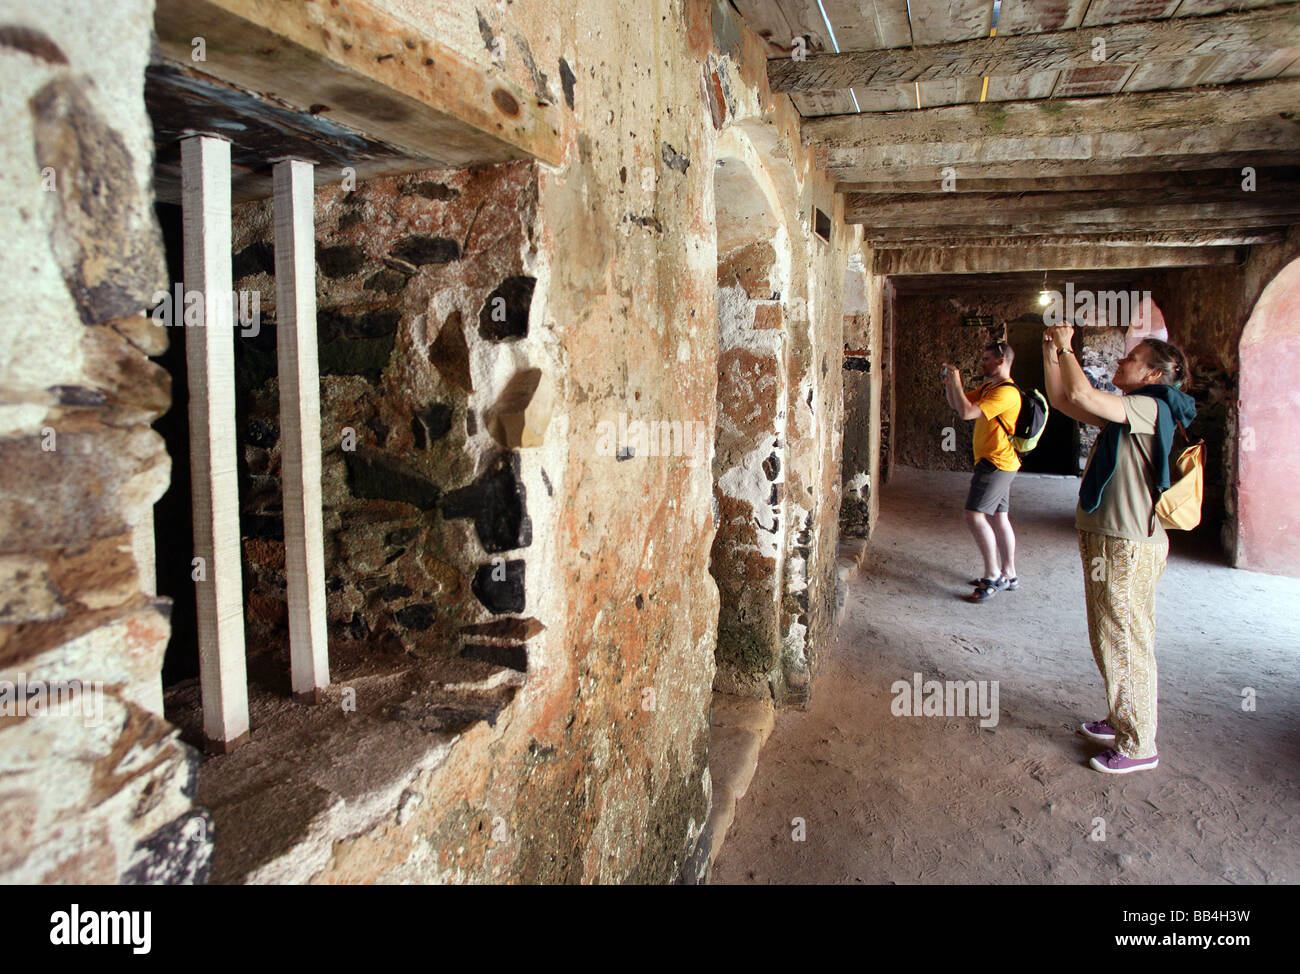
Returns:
point(985, 540)
point(1006, 538)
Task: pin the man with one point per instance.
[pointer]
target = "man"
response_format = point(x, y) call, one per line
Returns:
point(994, 406)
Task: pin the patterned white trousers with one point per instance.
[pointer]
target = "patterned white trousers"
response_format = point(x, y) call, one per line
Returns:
point(1119, 581)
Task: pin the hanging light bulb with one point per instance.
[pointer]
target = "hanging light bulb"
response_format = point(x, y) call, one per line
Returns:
point(1044, 296)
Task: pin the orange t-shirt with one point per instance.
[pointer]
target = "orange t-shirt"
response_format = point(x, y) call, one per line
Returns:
point(991, 441)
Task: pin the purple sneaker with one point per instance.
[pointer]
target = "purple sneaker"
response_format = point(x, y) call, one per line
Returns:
point(1098, 730)
point(1112, 762)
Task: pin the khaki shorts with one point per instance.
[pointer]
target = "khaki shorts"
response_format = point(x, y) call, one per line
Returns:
point(990, 489)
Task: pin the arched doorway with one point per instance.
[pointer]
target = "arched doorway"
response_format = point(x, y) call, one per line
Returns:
point(748, 557)
point(1268, 465)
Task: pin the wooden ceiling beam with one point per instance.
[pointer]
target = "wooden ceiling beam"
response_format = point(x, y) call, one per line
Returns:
point(1008, 55)
point(906, 177)
point(1072, 120)
point(972, 156)
point(972, 259)
point(955, 235)
point(951, 208)
point(1150, 239)
point(1265, 178)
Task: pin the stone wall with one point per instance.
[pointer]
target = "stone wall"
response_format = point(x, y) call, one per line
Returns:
point(930, 332)
point(1206, 310)
point(103, 789)
point(862, 365)
point(431, 387)
point(749, 457)
point(548, 726)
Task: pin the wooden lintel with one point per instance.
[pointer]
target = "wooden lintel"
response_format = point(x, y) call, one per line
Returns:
point(992, 208)
point(902, 175)
point(1006, 55)
point(365, 70)
point(1046, 229)
point(1150, 239)
point(1137, 113)
point(1265, 178)
point(986, 259)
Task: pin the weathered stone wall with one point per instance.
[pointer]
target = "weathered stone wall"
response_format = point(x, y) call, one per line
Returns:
point(762, 133)
point(930, 332)
point(749, 461)
point(428, 373)
point(593, 767)
point(105, 796)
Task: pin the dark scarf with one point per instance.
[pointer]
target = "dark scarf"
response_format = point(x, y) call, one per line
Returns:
point(1181, 408)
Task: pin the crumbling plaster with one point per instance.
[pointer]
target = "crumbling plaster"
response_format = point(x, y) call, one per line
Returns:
point(597, 770)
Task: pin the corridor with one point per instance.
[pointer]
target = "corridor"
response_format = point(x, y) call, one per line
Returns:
point(887, 799)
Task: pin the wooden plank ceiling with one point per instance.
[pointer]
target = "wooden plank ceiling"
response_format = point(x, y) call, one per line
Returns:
point(1047, 143)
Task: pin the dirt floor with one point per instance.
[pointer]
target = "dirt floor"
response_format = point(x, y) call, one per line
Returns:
point(893, 799)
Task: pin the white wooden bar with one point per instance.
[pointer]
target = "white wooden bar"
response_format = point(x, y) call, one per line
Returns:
point(300, 448)
point(210, 352)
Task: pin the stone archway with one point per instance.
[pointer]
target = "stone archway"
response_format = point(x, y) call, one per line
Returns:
point(754, 254)
point(1268, 465)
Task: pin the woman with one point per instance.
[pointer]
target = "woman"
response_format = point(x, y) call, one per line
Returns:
point(1122, 543)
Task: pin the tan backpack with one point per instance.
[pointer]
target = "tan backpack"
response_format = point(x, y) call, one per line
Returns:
point(1179, 507)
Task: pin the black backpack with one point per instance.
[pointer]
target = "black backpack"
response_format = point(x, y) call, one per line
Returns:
point(1030, 423)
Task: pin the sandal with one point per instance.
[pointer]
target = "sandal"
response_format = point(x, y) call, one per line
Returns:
point(985, 589)
point(1004, 582)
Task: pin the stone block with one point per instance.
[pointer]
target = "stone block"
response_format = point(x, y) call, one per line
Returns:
point(749, 267)
point(27, 591)
point(522, 412)
point(768, 315)
point(421, 250)
point(500, 587)
point(496, 501)
point(103, 231)
point(504, 315)
point(96, 482)
point(431, 423)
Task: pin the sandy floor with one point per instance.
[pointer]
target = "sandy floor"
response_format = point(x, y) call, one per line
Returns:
point(887, 799)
